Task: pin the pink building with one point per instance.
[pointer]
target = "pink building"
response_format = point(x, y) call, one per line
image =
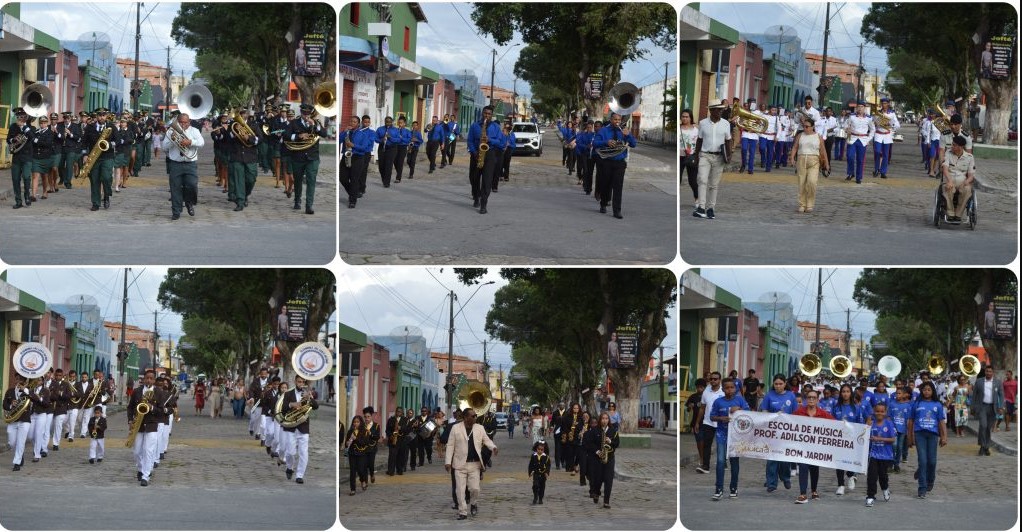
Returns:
point(373, 382)
point(53, 334)
point(745, 353)
point(747, 78)
point(64, 81)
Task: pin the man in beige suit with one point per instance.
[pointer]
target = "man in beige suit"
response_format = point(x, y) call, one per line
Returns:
point(464, 455)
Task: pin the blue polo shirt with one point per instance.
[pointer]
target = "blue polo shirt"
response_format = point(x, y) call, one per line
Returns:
point(844, 412)
point(927, 415)
point(722, 407)
point(899, 412)
point(882, 450)
point(778, 402)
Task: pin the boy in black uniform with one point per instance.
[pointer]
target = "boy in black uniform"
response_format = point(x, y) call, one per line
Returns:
point(97, 430)
point(539, 470)
point(374, 433)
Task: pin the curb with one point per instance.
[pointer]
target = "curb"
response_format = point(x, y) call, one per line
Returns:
point(627, 476)
point(1000, 447)
point(984, 187)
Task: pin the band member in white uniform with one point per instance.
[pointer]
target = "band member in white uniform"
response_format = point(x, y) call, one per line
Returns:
point(18, 429)
point(299, 439)
point(750, 140)
point(860, 132)
point(883, 141)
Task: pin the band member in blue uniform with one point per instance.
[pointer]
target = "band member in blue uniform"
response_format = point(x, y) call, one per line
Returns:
point(613, 166)
point(481, 179)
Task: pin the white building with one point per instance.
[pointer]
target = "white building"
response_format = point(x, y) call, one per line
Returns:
point(651, 111)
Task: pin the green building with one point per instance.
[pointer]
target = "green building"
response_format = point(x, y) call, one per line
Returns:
point(780, 81)
point(697, 79)
point(774, 349)
point(83, 349)
point(15, 306)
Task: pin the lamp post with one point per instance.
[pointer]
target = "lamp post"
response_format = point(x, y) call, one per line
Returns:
point(493, 67)
point(450, 347)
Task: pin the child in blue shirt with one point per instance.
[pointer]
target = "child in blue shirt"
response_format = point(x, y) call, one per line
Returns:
point(899, 412)
point(882, 436)
point(926, 430)
point(720, 412)
point(778, 399)
point(846, 409)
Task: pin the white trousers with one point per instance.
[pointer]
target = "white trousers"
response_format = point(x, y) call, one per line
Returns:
point(72, 419)
point(20, 432)
point(300, 444)
point(289, 451)
point(39, 436)
point(97, 448)
point(467, 476)
point(46, 433)
point(12, 435)
point(146, 445)
point(278, 438)
point(164, 433)
point(268, 431)
point(255, 421)
point(86, 415)
point(58, 428)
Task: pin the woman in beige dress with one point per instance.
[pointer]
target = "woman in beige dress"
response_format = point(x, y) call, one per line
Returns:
point(809, 157)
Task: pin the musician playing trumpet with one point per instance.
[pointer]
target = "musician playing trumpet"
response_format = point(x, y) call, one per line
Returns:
point(612, 168)
point(97, 432)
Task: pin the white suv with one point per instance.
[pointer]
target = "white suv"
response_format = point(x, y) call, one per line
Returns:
point(528, 138)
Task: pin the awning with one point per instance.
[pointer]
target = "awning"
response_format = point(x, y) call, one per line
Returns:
point(26, 41)
point(705, 297)
point(18, 305)
point(705, 32)
point(361, 54)
point(350, 339)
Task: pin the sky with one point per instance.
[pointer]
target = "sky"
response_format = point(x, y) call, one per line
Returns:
point(448, 42)
point(69, 21)
point(377, 301)
point(808, 20)
point(106, 285)
point(801, 285)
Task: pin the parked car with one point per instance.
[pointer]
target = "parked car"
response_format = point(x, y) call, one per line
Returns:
point(528, 139)
point(501, 420)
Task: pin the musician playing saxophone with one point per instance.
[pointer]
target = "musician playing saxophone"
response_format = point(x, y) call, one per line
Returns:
point(397, 447)
point(600, 444)
point(305, 162)
point(148, 439)
point(413, 148)
point(349, 169)
point(480, 176)
point(612, 171)
point(296, 456)
point(184, 167)
point(102, 174)
point(21, 162)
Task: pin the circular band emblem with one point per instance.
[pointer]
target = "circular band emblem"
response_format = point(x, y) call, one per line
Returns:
point(743, 423)
point(32, 360)
point(312, 361)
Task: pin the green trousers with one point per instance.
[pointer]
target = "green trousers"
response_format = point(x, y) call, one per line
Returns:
point(21, 175)
point(264, 155)
point(70, 158)
point(243, 179)
point(304, 173)
point(102, 175)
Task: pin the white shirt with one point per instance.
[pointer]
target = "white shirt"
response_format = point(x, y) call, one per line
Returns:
point(714, 134)
point(988, 391)
point(860, 129)
point(886, 136)
point(709, 396)
point(824, 124)
point(815, 114)
point(783, 123)
point(194, 135)
point(772, 123)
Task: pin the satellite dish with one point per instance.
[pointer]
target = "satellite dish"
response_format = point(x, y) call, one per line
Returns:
point(775, 298)
point(778, 36)
point(84, 309)
point(94, 40)
point(406, 330)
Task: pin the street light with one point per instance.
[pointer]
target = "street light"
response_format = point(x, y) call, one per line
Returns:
point(449, 387)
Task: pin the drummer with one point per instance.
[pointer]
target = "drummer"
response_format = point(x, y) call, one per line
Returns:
point(423, 451)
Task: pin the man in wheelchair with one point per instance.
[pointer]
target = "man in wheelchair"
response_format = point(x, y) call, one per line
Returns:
point(959, 171)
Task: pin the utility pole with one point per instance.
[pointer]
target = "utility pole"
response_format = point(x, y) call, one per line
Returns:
point(122, 352)
point(493, 73)
point(663, 402)
point(664, 115)
point(858, 78)
point(848, 338)
point(514, 98)
point(450, 361)
point(138, 38)
point(823, 66)
point(486, 366)
point(819, 300)
point(156, 337)
point(166, 94)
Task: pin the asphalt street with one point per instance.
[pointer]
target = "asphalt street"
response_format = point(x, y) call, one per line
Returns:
point(642, 497)
point(972, 493)
point(881, 221)
point(214, 477)
point(540, 216)
point(137, 229)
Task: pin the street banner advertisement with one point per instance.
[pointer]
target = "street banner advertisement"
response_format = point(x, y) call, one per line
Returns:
point(594, 86)
point(291, 319)
point(310, 55)
point(625, 341)
point(999, 318)
point(996, 59)
point(805, 440)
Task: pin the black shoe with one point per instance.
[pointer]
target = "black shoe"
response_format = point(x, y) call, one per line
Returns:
point(699, 212)
point(397, 180)
point(269, 451)
point(17, 205)
point(474, 510)
point(99, 460)
point(618, 216)
point(296, 206)
point(308, 210)
point(144, 483)
point(709, 213)
point(44, 454)
point(138, 476)
point(351, 204)
point(175, 216)
point(106, 203)
point(94, 208)
point(190, 208)
point(462, 517)
point(482, 210)
point(238, 208)
point(848, 177)
point(603, 210)
point(299, 481)
point(250, 433)
point(156, 464)
point(56, 448)
point(17, 467)
point(163, 456)
point(289, 473)
point(883, 176)
point(475, 204)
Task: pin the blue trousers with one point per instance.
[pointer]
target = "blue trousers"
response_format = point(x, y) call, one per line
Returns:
point(926, 452)
point(721, 457)
point(748, 154)
point(776, 470)
point(766, 152)
point(931, 156)
point(900, 449)
point(881, 157)
point(839, 148)
point(781, 153)
point(856, 158)
point(924, 148)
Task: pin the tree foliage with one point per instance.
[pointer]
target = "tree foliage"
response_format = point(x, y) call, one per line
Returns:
point(244, 301)
point(909, 339)
point(260, 37)
point(212, 345)
point(954, 49)
point(567, 42)
point(554, 316)
point(943, 300)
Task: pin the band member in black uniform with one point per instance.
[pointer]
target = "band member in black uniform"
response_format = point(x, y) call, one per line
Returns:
point(147, 440)
point(73, 137)
point(123, 141)
point(571, 427)
point(102, 174)
point(600, 444)
point(221, 162)
point(64, 142)
point(397, 447)
point(539, 470)
point(374, 436)
point(412, 437)
point(357, 441)
point(21, 162)
point(481, 176)
point(44, 140)
point(60, 395)
point(489, 423)
point(97, 433)
point(284, 114)
point(243, 154)
point(424, 445)
point(52, 177)
point(348, 170)
point(18, 428)
point(305, 162)
point(413, 149)
point(555, 421)
point(588, 422)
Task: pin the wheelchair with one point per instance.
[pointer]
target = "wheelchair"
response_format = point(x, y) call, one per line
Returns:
point(940, 209)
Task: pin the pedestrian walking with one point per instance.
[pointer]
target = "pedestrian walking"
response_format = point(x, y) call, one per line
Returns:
point(809, 156)
point(987, 403)
point(464, 457)
point(882, 436)
point(927, 430)
point(539, 471)
point(721, 411)
point(712, 152)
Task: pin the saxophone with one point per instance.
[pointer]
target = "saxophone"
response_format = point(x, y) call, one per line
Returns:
point(605, 448)
point(570, 436)
point(141, 410)
point(397, 432)
point(348, 145)
point(484, 146)
point(101, 145)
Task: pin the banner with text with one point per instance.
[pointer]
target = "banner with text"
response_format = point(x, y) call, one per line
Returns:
point(814, 441)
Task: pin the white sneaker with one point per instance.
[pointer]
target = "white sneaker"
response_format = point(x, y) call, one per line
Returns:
point(869, 502)
point(851, 483)
point(887, 495)
point(701, 470)
point(840, 490)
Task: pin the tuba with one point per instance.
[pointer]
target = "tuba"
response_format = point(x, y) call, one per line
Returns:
point(840, 366)
point(141, 410)
point(196, 101)
point(942, 122)
point(474, 394)
point(241, 131)
point(37, 100)
point(17, 409)
point(624, 99)
point(969, 366)
point(889, 366)
point(936, 364)
point(750, 121)
point(810, 364)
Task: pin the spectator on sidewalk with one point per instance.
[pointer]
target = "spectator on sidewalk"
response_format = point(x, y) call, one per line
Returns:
point(709, 427)
point(1010, 393)
point(692, 406)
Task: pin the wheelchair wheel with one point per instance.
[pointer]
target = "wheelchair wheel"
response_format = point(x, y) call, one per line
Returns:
point(937, 208)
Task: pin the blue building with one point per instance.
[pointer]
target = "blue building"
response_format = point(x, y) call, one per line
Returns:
point(471, 99)
point(790, 74)
point(99, 54)
point(782, 326)
point(414, 376)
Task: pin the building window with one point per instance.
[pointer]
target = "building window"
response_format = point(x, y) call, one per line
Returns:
point(353, 14)
point(408, 38)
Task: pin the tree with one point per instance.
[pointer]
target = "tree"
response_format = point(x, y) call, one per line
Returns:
point(671, 110)
point(566, 43)
point(948, 301)
point(572, 312)
point(911, 341)
point(244, 301)
point(260, 36)
point(532, 362)
point(955, 49)
point(213, 345)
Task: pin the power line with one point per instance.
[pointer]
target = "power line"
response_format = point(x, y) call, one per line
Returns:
point(474, 30)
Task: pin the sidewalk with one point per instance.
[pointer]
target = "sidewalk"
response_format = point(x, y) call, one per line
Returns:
point(656, 465)
point(1005, 442)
